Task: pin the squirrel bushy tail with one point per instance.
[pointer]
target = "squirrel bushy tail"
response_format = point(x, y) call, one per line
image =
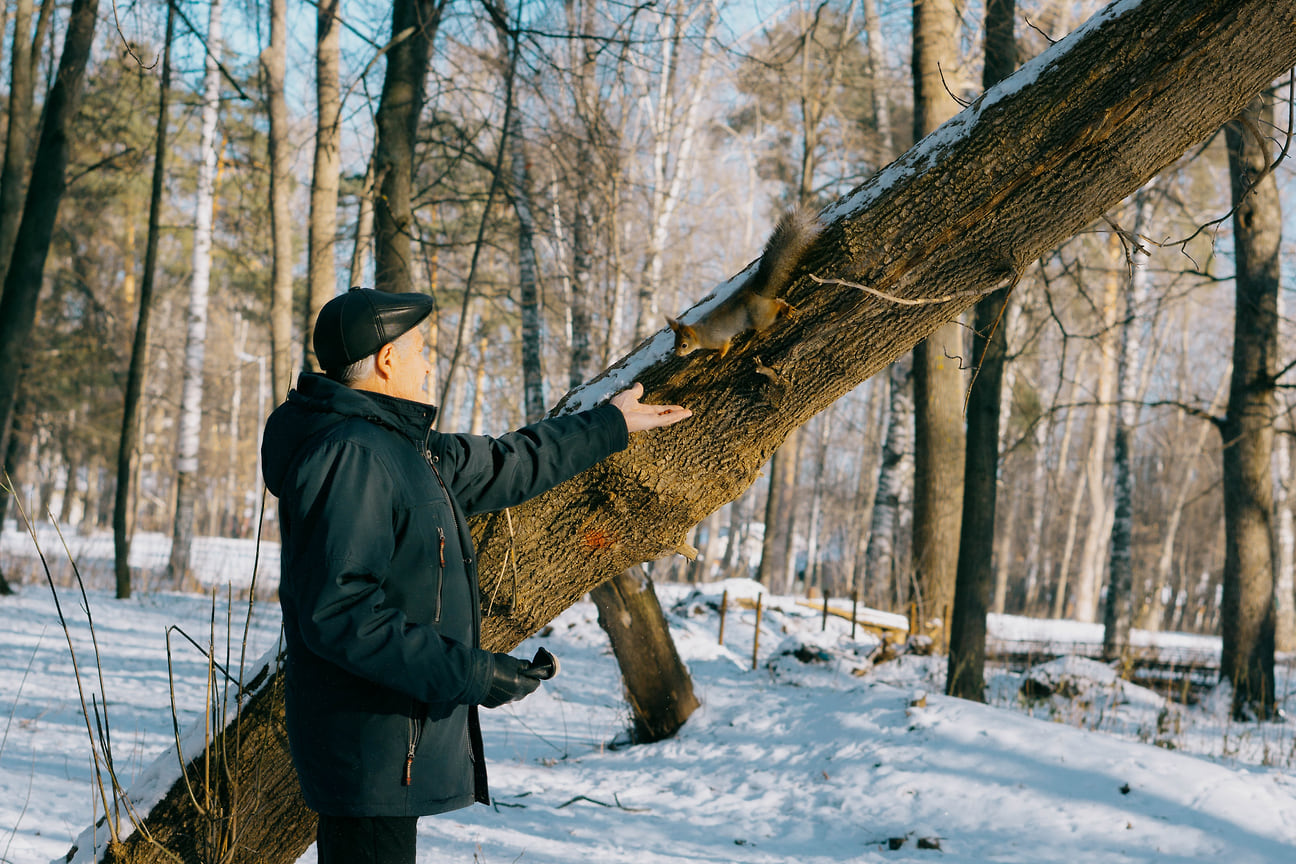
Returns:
point(792, 236)
point(754, 305)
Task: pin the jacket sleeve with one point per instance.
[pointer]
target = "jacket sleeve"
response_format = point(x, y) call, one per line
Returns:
point(493, 473)
point(336, 584)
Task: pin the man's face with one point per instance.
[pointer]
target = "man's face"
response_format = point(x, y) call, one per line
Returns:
point(413, 367)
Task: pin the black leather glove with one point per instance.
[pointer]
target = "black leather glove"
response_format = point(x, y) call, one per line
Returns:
point(515, 679)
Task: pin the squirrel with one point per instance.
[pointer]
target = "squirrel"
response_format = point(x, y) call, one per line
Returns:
point(754, 304)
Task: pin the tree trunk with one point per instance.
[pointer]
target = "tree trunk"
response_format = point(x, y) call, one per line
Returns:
point(188, 441)
point(13, 177)
point(939, 448)
point(1089, 577)
point(1118, 612)
point(364, 227)
point(414, 25)
point(1247, 612)
point(880, 555)
point(1284, 589)
point(528, 273)
point(657, 683)
point(22, 281)
point(321, 233)
point(123, 517)
point(975, 574)
point(951, 219)
point(275, 60)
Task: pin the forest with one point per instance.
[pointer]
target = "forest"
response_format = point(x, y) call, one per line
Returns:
point(1040, 362)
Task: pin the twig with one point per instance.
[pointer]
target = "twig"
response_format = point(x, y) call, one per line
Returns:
point(907, 301)
point(1031, 24)
point(618, 804)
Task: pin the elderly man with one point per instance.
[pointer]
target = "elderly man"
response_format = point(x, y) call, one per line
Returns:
point(378, 584)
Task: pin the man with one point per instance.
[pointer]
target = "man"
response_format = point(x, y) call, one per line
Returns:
point(384, 673)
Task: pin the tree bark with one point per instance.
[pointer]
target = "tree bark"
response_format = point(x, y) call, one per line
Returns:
point(1098, 532)
point(123, 517)
point(657, 683)
point(879, 574)
point(414, 26)
point(951, 219)
point(1118, 611)
point(939, 438)
point(22, 280)
point(321, 234)
point(275, 61)
point(1247, 608)
point(965, 676)
point(189, 437)
point(13, 178)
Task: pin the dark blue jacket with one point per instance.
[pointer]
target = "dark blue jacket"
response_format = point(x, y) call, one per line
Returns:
point(379, 591)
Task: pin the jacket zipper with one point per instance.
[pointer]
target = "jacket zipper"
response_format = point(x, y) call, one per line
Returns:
point(436, 617)
point(415, 733)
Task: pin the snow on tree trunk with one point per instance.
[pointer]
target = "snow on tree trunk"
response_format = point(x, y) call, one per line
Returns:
point(191, 394)
point(1024, 167)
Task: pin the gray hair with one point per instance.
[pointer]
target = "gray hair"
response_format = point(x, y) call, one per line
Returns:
point(350, 374)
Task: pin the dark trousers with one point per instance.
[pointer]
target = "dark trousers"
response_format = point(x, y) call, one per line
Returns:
point(366, 839)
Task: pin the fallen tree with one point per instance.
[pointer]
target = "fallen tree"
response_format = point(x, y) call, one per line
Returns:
point(1029, 164)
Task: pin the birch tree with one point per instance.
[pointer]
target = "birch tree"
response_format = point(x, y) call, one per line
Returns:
point(191, 394)
point(1118, 611)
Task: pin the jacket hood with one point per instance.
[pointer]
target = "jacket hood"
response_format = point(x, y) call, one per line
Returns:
point(319, 403)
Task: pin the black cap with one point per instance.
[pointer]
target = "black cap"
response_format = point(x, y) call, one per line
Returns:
point(356, 324)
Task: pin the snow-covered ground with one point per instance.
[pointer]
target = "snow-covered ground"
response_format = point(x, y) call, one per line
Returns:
point(822, 759)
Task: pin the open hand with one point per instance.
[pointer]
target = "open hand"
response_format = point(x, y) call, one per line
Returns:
point(639, 417)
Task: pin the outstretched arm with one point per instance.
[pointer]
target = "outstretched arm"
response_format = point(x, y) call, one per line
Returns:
point(639, 416)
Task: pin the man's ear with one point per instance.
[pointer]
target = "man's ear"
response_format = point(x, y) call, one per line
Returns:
point(385, 361)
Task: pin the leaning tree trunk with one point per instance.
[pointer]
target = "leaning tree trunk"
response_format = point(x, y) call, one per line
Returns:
point(189, 437)
point(129, 441)
point(965, 676)
point(22, 280)
point(1247, 613)
point(939, 448)
point(954, 218)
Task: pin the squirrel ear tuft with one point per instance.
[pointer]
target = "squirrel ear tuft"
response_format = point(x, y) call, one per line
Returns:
point(672, 323)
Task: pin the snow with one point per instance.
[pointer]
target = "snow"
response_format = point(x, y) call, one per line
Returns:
point(821, 759)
